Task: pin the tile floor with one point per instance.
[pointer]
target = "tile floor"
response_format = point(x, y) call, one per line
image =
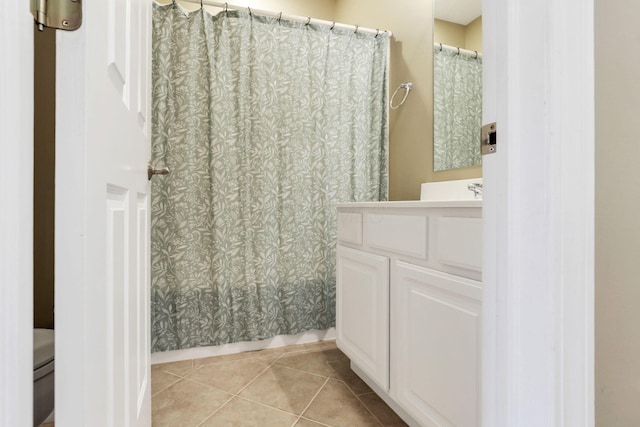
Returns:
point(307, 385)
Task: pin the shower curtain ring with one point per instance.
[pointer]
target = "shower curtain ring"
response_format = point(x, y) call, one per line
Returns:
point(356, 31)
point(440, 47)
point(458, 51)
point(250, 14)
point(226, 7)
point(333, 26)
point(377, 32)
point(308, 20)
point(476, 54)
point(201, 5)
point(279, 17)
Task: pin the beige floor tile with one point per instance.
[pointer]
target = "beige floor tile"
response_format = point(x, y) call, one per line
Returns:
point(313, 362)
point(161, 380)
point(336, 406)
point(221, 359)
point(177, 368)
point(284, 388)
point(381, 410)
point(274, 393)
point(242, 413)
point(303, 422)
point(344, 373)
point(330, 354)
point(186, 404)
point(277, 351)
point(269, 358)
point(229, 376)
point(329, 344)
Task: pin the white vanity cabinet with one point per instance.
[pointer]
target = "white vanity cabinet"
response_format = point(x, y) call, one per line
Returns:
point(409, 305)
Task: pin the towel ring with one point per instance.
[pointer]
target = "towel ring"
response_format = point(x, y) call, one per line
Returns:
point(407, 87)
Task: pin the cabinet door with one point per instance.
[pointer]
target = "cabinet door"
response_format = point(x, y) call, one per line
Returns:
point(362, 314)
point(436, 338)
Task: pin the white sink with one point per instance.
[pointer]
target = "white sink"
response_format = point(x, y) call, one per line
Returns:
point(449, 190)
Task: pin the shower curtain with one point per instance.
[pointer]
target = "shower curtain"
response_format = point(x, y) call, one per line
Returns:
point(263, 123)
point(457, 109)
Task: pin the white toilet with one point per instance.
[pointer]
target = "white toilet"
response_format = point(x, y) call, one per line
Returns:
point(43, 375)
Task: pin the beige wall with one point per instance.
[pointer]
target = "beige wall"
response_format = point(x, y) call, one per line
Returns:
point(449, 33)
point(473, 35)
point(617, 246)
point(468, 37)
point(44, 176)
point(320, 9)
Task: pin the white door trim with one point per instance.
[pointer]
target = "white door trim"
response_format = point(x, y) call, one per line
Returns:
point(70, 265)
point(16, 215)
point(538, 212)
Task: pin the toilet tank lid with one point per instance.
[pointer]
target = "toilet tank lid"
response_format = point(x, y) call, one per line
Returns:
point(43, 347)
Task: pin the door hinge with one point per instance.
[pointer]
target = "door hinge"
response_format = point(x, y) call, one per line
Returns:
point(60, 14)
point(489, 139)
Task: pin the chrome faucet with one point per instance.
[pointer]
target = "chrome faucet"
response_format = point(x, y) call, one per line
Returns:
point(476, 187)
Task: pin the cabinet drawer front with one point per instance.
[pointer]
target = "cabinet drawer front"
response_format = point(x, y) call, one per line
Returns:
point(403, 234)
point(459, 242)
point(350, 227)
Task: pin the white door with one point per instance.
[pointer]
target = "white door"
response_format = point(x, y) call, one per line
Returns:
point(102, 217)
point(16, 214)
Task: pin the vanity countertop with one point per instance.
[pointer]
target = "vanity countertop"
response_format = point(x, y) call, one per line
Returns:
point(414, 204)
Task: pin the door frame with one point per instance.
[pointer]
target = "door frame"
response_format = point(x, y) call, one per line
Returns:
point(538, 301)
point(16, 215)
point(538, 278)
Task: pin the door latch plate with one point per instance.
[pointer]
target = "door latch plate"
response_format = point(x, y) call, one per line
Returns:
point(489, 139)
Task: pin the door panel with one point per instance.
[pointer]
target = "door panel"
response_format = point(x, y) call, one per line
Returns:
point(103, 151)
point(437, 360)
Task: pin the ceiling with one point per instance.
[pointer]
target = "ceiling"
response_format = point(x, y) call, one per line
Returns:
point(459, 11)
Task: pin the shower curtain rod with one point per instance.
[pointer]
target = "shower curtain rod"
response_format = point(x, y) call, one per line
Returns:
point(458, 50)
point(280, 15)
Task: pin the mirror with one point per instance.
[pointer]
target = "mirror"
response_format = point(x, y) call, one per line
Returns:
point(457, 83)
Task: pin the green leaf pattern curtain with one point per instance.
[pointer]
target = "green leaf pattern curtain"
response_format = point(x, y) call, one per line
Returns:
point(263, 124)
point(457, 110)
